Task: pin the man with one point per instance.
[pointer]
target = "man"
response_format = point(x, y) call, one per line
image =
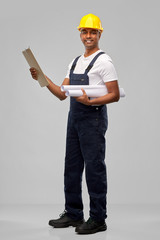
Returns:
point(87, 125)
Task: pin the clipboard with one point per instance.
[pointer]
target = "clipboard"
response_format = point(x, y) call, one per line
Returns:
point(30, 58)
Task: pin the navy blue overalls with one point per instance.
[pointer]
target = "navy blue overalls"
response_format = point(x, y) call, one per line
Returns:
point(85, 146)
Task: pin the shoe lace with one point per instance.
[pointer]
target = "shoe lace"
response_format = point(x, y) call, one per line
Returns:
point(63, 213)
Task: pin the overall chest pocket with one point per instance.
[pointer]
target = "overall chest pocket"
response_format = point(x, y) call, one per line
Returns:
point(79, 79)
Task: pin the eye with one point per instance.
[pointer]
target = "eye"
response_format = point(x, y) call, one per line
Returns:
point(94, 32)
point(83, 32)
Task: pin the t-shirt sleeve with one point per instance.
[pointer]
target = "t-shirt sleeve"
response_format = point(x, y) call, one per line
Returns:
point(68, 70)
point(108, 72)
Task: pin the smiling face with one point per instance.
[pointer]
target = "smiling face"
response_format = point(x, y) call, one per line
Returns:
point(90, 37)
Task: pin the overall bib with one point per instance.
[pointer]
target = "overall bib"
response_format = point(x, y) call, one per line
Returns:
point(85, 146)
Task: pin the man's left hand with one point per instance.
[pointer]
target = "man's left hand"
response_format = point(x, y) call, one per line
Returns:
point(83, 99)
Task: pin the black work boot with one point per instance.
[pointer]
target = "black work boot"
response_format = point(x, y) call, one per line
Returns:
point(91, 226)
point(65, 221)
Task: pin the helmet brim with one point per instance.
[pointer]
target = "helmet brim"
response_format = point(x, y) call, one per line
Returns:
point(80, 28)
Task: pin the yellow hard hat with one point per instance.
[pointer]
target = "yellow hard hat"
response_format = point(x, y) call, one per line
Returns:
point(90, 21)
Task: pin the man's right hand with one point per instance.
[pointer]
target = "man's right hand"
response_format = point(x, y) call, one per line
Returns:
point(34, 73)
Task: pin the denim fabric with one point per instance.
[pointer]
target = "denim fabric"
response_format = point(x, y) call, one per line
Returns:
point(85, 147)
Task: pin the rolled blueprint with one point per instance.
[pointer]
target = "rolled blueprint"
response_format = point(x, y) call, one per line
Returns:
point(91, 90)
point(76, 87)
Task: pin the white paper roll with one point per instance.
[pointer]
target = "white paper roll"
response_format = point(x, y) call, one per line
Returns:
point(91, 90)
point(122, 92)
point(76, 87)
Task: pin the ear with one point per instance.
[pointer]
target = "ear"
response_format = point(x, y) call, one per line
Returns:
point(80, 35)
point(100, 34)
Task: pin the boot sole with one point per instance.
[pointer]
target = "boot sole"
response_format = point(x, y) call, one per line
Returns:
point(65, 225)
point(89, 231)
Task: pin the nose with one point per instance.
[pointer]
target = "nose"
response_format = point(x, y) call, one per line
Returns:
point(88, 35)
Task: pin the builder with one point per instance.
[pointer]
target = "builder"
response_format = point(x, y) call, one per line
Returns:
point(87, 125)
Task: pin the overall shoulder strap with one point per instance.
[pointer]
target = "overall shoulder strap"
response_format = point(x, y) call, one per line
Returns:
point(93, 61)
point(74, 63)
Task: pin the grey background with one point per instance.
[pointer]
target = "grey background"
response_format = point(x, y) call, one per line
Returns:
point(33, 121)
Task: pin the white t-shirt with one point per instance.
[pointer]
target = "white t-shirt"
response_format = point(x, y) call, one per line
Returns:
point(102, 71)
